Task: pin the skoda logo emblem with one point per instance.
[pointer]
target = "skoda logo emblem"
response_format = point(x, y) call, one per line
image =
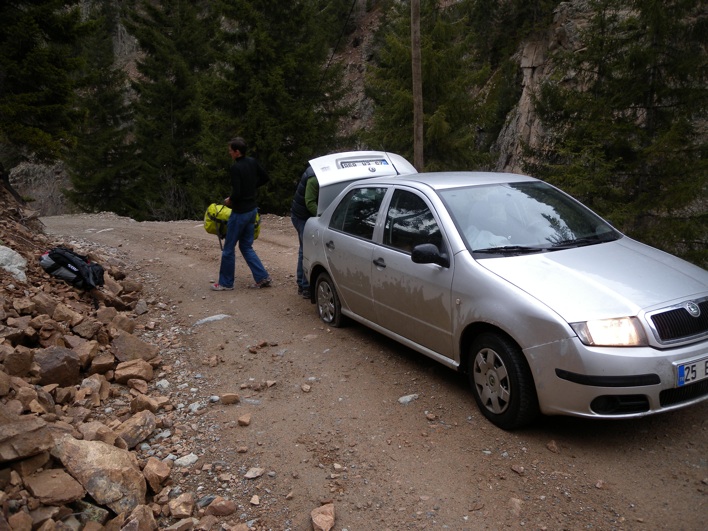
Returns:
point(693, 309)
point(372, 170)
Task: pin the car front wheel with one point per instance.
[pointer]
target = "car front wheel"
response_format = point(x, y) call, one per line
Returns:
point(501, 382)
point(328, 306)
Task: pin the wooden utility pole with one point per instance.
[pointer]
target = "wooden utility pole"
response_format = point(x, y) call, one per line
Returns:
point(416, 62)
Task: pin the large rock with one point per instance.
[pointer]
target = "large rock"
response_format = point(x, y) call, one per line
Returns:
point(182, 506)
point(137, 428)
point(133, 369)
point(22, 437)
point(127, 347)
point(110, 475)
point(88, 328)
point(54, 487)
point(156, 472)
point(141, 519)
point(124, 323)
point(64, 314)
point(58, 365)
point(19, 361)
point(4, 384)
point(11, 334)
point(97, 431)
point(44, 303)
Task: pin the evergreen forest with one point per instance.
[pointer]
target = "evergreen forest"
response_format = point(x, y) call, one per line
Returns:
point(624, 113)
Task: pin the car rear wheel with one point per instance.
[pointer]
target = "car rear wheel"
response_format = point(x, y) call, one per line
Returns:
point(328, 307)
point(501, 382)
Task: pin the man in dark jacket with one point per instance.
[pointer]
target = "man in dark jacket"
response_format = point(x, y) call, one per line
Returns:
point(246, 176)
point(304, 206)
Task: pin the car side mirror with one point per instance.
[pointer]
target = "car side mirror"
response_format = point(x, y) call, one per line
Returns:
point(427, 253)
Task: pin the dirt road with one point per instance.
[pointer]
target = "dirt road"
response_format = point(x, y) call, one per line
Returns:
point(327, 424)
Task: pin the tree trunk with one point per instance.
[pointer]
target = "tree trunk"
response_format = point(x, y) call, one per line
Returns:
point(417, 86)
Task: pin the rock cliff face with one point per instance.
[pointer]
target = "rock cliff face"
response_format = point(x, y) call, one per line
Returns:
point(522, 126)
point(42, 184)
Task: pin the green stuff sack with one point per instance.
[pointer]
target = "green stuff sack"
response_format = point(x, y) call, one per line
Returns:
point(215, 219)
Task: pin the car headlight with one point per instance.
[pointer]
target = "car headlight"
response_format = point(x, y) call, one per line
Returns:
point(620, 332)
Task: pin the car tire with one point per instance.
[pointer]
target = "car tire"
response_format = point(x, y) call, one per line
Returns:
point(329, 308)
point(501, 382)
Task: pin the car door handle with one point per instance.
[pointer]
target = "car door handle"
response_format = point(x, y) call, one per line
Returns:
point(330, 245)
point(380, 262)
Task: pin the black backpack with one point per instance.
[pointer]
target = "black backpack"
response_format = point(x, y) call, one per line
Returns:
point(74, 268)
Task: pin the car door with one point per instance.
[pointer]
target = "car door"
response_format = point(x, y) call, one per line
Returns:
point(348, 246)
point(412, 300)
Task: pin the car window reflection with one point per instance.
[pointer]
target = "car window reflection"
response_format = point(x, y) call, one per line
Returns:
point(531, 215)
point(356, 214)
point(409, 222)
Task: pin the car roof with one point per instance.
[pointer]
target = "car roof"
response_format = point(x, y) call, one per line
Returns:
point(454, 179)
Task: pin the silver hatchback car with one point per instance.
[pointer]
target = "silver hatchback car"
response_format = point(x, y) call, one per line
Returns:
point(546, 306)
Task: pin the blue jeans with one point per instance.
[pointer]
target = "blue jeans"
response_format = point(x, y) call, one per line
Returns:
point(239, 229)
point(299, 224)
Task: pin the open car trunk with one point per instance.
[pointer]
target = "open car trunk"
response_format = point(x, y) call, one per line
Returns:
point(335, 171)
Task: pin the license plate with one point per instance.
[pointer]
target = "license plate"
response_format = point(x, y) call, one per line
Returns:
point(692, 372)
point(356, 163)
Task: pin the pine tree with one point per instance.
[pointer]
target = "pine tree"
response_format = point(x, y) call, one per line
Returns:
point(278, 89)
point(37, 62)
point(100, 165)
point(625, 134)
point(452, 117)
point(177, 40)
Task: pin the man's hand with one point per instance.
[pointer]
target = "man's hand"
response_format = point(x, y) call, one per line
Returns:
point(227, 202)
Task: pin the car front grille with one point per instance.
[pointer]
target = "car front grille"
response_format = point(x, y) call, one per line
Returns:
point(677, 323)
point(669, 397)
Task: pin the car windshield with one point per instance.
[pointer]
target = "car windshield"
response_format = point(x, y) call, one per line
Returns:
point(521, 218)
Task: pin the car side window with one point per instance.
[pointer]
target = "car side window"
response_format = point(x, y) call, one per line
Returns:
point(409, 222)
point(357, 212)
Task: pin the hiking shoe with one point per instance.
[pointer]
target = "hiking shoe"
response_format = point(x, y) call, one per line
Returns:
point(305, 294)
point(219, 287)
point(262, 283)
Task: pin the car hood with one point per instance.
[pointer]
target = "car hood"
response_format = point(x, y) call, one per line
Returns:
point(613, 279)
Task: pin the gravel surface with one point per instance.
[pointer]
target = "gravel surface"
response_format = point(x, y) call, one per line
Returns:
point(347, 416)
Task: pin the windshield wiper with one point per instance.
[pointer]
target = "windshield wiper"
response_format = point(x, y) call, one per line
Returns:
point(511, 250)
point(587, 240)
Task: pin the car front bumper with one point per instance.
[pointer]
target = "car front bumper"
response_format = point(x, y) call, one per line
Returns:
point(601, 382)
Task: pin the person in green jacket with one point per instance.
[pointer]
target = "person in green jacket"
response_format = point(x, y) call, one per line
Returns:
point(304, 206)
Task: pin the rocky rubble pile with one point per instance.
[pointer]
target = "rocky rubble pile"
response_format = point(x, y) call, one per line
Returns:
point(85, 402)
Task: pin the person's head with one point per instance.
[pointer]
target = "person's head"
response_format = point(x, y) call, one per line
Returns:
point(237, 147)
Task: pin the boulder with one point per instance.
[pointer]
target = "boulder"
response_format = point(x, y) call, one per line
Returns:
point(88, 328)
point(137, 428)
point(141, 519)
point(54, 487)
point(97, 431)
point(127, 347)
point(110, 475)
point(156, 472)
point(44, 304)
point(22, 437)
point(19, 361)
point(128, 370)
point(4, 384)
point(58, 365)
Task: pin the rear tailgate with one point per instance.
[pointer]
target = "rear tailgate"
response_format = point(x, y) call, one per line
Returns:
point(335, 171)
